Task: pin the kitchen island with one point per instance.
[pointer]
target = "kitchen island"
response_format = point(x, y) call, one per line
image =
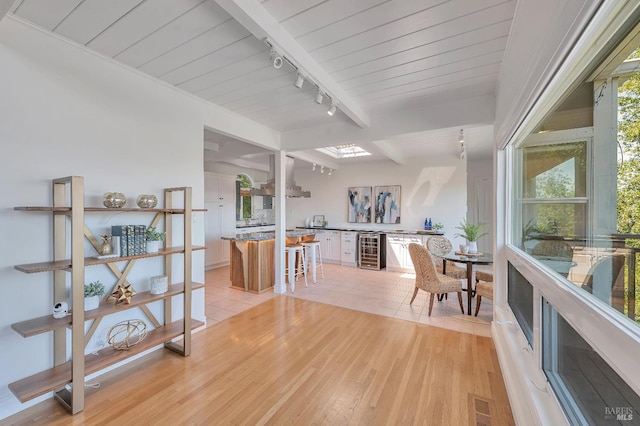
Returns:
point(253, 258)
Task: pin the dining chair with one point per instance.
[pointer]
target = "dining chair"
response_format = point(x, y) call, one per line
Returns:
point(484, 276)
point(439, 246)
point(483, 290)
point(428, 279)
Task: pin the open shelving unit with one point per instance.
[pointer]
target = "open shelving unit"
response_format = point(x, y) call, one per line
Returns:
point(69, 232)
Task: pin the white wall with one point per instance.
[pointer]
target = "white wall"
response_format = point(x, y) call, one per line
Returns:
point(480, 198)
point(431, 187)
point(65, 111)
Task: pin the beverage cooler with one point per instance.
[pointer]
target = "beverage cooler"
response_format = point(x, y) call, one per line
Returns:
point(372, 250)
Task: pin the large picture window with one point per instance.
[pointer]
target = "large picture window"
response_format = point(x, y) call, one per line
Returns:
point(574, 237)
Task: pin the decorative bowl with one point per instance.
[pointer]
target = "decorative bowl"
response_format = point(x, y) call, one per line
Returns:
point(147, 201)
point(114, 200)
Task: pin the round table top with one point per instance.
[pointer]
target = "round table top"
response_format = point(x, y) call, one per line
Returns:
point(480, 259)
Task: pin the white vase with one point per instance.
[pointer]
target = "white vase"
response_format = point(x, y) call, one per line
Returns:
point(91, 302)
point(153, 246)
point(472, 246)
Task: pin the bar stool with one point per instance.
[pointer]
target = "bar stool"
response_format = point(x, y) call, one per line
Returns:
point(313, 254)
point(296, 264)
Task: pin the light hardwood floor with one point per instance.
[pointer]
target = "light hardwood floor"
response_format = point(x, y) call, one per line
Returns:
point(294, 361)
point(377, 292)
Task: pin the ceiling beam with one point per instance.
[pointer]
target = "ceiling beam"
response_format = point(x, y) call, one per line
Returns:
point(254, 17)
point(312, 157)
point(389, 151)
point(5, 7)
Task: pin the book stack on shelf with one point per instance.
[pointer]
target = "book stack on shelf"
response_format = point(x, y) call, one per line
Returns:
point(129, 240)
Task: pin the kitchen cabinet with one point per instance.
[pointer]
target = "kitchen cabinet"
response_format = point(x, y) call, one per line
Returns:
point(349, 248)
point(71, 333)
point(219, 221)
point(330, 245)
point(220, 202)
point(398, 258)
point(219, 188)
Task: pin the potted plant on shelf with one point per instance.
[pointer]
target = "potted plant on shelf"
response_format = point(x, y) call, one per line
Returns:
point(153, 237)
point(92, 293)
point(472, 233)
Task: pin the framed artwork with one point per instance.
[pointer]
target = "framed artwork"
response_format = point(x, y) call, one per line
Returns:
point(318, 221)
point(359, 204)
point(387, 199)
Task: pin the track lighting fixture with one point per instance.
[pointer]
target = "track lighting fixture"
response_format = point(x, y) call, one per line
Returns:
point(321, 169)
point(332, 109)
point(330, 171)
point(299, 81)
point(463, 150)
point(319, 97)
point(277, 59)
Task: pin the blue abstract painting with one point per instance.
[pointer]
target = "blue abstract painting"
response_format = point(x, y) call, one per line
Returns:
point(387, 199)
point(359, 204)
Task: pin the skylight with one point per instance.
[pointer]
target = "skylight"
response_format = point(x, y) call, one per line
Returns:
point(344, 151)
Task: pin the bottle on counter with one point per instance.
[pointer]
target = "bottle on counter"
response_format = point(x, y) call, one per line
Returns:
point(430, 225)
point(426, 223)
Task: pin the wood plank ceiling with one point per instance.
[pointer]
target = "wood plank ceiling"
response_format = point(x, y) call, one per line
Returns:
point(382, 53)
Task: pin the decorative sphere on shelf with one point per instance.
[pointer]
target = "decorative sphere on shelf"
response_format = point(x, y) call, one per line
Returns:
point(114, 200)
point(147, 201)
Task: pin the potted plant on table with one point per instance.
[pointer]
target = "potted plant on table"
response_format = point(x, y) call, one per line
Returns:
point(472, 233)
point(153, 237)
point(92, 293)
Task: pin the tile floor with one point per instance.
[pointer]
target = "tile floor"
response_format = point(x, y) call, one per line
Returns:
point(378, 292)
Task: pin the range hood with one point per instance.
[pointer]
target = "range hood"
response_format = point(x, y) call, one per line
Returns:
point(291, 189)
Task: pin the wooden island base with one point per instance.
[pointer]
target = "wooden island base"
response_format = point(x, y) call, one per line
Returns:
point(252, 265)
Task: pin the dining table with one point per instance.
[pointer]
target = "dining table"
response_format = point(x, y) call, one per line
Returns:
point(470, 259)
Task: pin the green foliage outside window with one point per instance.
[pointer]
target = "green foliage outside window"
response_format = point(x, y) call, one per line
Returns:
point(245, 202)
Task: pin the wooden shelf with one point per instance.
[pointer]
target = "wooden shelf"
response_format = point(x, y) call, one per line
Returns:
point(57, 377)
point(102, 209)
point(40, 325)
point(31, 268)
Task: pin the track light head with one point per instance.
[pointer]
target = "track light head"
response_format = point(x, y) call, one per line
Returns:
point(330, 171)
point(313, 167)
point(332, 109)
point(321, 169)
point(299, 81)
point(277, 59)
point(319, 97)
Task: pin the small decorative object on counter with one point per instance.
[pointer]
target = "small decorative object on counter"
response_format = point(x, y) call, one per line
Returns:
point(92, 293)
point(159, 284)
point(123, 294)
point(126, 334)
point(147, 201)
point(114, 200)
point(437, 226)
point(60, 310)
point(106, 248)
point(153, 239)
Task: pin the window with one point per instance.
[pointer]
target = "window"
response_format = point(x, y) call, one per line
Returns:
point(588, 389)
point(520, 299)
point(574, 233)
point(243, 197)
